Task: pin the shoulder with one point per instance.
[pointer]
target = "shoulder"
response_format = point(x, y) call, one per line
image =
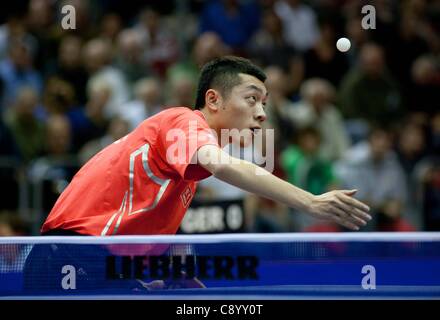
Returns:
point(176, 113)
point(173, 117)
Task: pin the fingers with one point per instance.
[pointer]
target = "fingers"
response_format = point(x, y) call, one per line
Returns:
point(353, 203)
point(359, 217)
point(350, 192)
point(346, 216)
point(345, 223)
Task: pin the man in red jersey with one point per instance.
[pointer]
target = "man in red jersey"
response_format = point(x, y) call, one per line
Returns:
point(138, 186)
point(143, 183)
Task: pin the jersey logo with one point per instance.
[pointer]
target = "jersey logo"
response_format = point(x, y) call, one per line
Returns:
point(186, 196)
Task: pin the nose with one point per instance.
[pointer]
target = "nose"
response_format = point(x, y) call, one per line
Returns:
point(260, 114)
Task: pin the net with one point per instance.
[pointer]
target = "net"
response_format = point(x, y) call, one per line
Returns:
point(239, 265)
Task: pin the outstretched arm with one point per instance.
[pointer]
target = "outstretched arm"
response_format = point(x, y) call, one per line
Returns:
point(338, 206)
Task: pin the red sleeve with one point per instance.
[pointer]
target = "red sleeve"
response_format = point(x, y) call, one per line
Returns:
point(180, 136)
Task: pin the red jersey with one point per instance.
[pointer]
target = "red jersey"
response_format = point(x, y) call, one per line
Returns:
point(141, 184)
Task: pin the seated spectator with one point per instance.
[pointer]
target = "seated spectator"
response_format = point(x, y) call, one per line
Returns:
point(207, 47)
point(11, 225)
point(148, 101)
point(234, 21)
point(26, 129)
point(358, 37)
point(58, 137)
point(7, 145)
point(129, 56)
point(90, 122)
point(41, 24)
point(316, 108)
point(268, 45)
point(323, 60)
point(375, 172)
point(53, 171)
point(279, 107)
point(58, 97)
point(69, 67)
point(182, 92)
point(306, 169)
point(303, 165)
point(116, 130)
point(269, 48)
point(97, 56)
point(17, 71)
point(111, 26)
point(160, 44)
point(299, 24)
point(424, 91)
point(427, 173)
point(368, 93)
point(389, 218)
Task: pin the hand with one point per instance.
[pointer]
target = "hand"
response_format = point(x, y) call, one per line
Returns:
point(184, 283)
point(339, 206)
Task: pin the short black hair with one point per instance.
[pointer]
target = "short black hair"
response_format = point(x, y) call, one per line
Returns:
point(223, 74)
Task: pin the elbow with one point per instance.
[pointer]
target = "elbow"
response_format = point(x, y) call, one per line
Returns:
point(218, 170)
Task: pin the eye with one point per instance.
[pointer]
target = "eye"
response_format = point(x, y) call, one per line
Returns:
point(252, 99)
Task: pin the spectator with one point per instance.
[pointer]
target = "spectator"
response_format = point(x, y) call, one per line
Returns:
point(299, 24)
point(26, 129)
point(207, 47)
point(90, 122)
point(406, 46)
point(411, 146)
point(268, 47)
point(424, 92)
point(161, 49)
point(111, 26)
point(97, 55)
point(11, 225)
point(316, 108)
point(58, 136)
point(52, 172)
point(324, 60)
point(233, 20)
point(306, 169)
point(17, 71)
point(380, 181)
point(40, 20)
point(358, 37)
point(148, 101)
point(183, 92)
point(59, 96)
point(14, 28)
point(129, 57)
point(428, 176)
point(69, 66)
point(116, 130)
point(368, 92)
point(7, 146)
point(303, 165)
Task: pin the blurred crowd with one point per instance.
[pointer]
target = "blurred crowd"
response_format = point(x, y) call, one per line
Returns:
point(367, 119)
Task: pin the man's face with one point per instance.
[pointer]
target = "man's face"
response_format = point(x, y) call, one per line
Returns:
point(243, 108)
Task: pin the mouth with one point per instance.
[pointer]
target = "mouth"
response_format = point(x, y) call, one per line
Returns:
point(255, 129)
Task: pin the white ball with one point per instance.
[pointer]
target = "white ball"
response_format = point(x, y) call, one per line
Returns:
point(343, 44)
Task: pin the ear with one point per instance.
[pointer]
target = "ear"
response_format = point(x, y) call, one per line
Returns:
point(213, 99)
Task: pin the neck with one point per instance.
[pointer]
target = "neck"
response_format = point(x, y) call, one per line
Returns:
point(212, 123)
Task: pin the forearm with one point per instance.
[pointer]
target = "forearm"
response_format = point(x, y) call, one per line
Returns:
point(244, 175)
point(338, 205)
